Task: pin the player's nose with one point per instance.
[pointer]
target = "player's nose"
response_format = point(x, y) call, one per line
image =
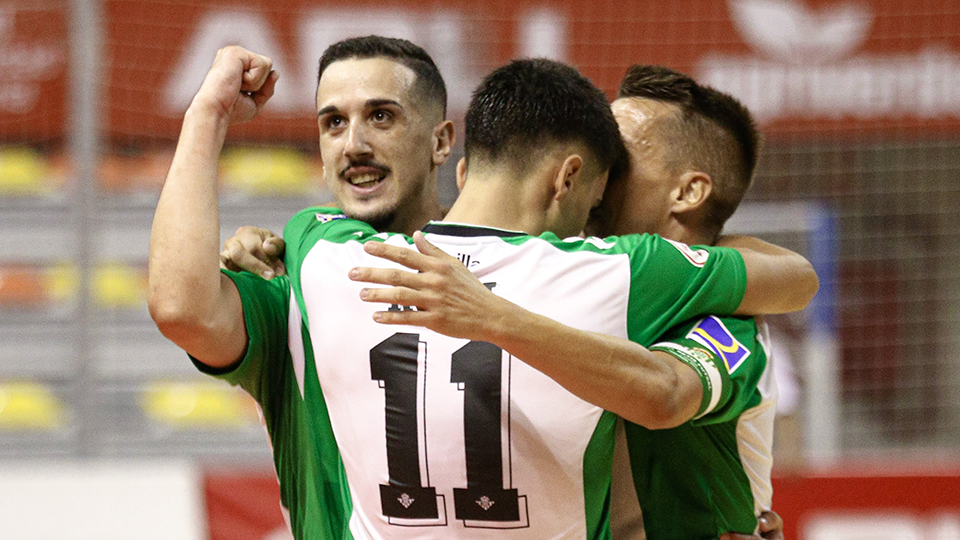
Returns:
point(357, 144)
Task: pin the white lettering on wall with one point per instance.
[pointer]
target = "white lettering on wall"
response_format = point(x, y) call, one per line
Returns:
point(806, 66)
point(440, 33)
point(217, 29)
point(925, 85)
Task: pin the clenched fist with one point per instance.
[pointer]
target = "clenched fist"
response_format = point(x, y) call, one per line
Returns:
point(237, 86)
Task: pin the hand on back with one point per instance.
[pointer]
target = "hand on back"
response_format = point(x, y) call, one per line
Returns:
point(448, 298)
point(255, 250)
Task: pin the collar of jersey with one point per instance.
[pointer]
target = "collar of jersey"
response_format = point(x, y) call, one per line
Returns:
point(462, 229)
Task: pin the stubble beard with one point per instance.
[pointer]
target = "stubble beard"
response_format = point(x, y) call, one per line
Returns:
point(378, 219)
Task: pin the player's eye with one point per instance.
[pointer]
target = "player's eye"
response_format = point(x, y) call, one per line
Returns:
point(381, 116)
point(333, 122)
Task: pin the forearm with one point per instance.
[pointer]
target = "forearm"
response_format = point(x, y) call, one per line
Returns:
point(618, 375)
point(653, 389)
point(778, 280)
point(186, 288)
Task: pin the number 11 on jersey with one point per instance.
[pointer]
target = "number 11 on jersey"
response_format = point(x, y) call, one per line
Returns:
point(476, 369)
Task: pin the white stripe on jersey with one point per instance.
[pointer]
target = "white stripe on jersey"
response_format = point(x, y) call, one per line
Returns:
point(295, 340)
point(755, 431)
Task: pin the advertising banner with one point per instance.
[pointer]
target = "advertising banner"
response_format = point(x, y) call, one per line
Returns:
point(851, 504)
point(839, 505)
point(805, 67)
point(244, 505)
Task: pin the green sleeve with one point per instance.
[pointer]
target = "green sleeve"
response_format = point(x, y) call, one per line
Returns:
point(672, 282)
point(727, 355)
point(265, 310)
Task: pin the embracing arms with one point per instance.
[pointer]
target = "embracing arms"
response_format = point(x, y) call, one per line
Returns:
point(778, 280)
point(650, 388)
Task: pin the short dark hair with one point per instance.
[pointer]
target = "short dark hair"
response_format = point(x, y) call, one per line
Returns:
point(428, 84)
point(523, 105)
point(716, 134)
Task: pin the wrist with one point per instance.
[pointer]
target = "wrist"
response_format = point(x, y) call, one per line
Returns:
point(202, 120)
point(206, 110)
point(498, 328)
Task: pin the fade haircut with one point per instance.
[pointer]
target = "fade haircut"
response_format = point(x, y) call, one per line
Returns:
point(428, 84)
point(522, 107)
point(714, 134)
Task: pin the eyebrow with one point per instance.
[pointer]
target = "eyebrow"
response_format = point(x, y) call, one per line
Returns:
point(372, 103)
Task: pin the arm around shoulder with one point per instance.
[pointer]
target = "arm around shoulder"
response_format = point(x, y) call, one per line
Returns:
point(778, 280)
point(649, 388)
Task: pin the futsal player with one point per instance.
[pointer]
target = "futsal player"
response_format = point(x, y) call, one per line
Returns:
point(688, 175)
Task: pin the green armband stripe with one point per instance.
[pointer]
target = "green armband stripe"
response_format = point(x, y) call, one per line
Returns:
point(707, 370)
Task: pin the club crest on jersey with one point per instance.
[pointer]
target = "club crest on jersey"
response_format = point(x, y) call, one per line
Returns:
point(325, 218)
point(697, 257)
point(712, 334)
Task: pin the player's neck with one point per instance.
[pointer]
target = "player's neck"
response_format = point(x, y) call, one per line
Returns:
point(415, 218)
point(686, 233)
point(417, 210)
point(497, 202)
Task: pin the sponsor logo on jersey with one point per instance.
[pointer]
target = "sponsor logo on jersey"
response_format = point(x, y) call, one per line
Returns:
point(325, 218)
point(697, 257)
point(712, 334)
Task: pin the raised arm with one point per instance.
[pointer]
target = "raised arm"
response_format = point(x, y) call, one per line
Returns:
point(652, 389)
point(192, 303)
point(778, 280)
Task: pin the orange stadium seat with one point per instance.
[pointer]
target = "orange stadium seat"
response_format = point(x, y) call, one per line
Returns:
point(114, 285)
point(141, 172)
point(22, 286)
point(61, 173)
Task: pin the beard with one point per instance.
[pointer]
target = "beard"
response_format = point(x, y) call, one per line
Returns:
point(380, 220)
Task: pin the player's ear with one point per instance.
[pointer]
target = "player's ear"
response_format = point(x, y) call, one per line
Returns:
point(444, 137)
point(461, 173)
point(691, 192)
point(569, 173)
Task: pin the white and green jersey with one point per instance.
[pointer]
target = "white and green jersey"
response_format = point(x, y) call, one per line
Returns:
point(711, 475)
point(428, 436)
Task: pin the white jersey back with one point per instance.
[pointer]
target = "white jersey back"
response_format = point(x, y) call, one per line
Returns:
point(441, 432)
